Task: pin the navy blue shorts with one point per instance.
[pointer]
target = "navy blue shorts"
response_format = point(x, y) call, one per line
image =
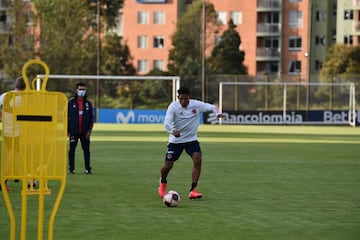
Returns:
point(174, 150)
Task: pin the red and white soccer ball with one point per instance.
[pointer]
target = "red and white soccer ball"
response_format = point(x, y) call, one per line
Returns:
point(171, 199)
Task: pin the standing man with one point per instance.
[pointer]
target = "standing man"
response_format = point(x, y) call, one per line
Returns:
point(182, 120)
point(12, 130)
point(80, 124)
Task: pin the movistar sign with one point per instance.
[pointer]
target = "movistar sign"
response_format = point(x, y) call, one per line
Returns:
point(131, 116)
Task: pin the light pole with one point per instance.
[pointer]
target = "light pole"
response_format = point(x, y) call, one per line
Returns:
point(203, 44)
point(98, 58)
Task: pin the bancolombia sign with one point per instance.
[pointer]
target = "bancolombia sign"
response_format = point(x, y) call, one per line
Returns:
point(278, 117)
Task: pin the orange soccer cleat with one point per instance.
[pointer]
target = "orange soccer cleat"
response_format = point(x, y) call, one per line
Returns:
point(194, 194)
point(162, 189)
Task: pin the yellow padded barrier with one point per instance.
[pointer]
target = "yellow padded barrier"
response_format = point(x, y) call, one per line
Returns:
point(34, 146)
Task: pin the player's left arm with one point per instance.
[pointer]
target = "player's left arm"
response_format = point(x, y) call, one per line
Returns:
point(215, 110)
point(208, 107)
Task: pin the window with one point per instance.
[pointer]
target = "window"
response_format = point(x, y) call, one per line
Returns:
point(159, 64)
point(272, 67)
point(318, 65)
point(29, 18)
point(294, 67)
point(158, 42)
point(3, 4)
point(348, 14)
point(159, 17)
point(271, 42)
point(236, 17)
point(294, 43)
point(143, 66)
point(295, 19)
point(333, 32)
point(217, 39)
point(143, 42)
point(334, 9)
point(143, 18)
point(320, 16)
point(119, 23)
point(3, 17)
point(272, 17)
point(320, 40)
point(221, 17)
point(348, 39)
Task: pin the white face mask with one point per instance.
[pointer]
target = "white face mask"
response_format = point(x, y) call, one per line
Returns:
point(81, 93)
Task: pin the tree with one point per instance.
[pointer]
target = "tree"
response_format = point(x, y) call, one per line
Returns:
point(341, 60)
point(67, 40)
point(342, 63)
point(226, 57)
point(116, 57)
point(109, 10)
point(16, 47)
point(185, 56)
point(116, 60)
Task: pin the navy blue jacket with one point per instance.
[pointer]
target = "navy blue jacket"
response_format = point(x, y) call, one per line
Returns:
point(73, 116)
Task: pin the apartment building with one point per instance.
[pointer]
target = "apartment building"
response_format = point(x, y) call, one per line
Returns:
point(348, 22)
point(147, 28)
point(279, 37)
point(10, 20)
point(148, 25)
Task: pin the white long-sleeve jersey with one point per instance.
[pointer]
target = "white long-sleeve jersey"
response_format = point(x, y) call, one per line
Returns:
point(186, 120)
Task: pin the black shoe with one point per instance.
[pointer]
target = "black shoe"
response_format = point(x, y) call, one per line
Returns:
point(71, 171)
point(88, 172)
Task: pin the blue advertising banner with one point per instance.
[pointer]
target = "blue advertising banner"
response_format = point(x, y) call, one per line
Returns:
point(327, 117)
point(131, 116)
point(107, 115)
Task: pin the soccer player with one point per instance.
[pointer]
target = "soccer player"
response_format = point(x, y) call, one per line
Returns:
point(182, 120)
point(11, 130)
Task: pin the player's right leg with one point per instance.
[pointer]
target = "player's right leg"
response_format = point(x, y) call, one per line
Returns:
point(172, 154)
point(163, 181)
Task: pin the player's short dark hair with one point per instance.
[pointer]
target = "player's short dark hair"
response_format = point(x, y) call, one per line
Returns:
point(20, 84)
point(183, 90)
point(80, 84)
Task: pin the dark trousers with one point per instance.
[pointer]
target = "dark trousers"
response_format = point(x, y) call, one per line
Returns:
point(85, 144)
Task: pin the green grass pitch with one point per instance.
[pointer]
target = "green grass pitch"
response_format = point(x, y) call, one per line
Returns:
point(259, 183)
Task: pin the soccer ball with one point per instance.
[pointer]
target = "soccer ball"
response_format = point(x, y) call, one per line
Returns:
point(171, 199)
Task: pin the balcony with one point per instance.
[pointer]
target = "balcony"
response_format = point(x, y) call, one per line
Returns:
point(268, 28)
point(265, 54)
point(268, 5)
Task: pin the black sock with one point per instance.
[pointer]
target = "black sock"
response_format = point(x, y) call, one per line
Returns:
point(193, 186)
point(163, 180)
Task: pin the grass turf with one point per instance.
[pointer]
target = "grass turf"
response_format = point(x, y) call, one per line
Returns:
point(259, 182)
